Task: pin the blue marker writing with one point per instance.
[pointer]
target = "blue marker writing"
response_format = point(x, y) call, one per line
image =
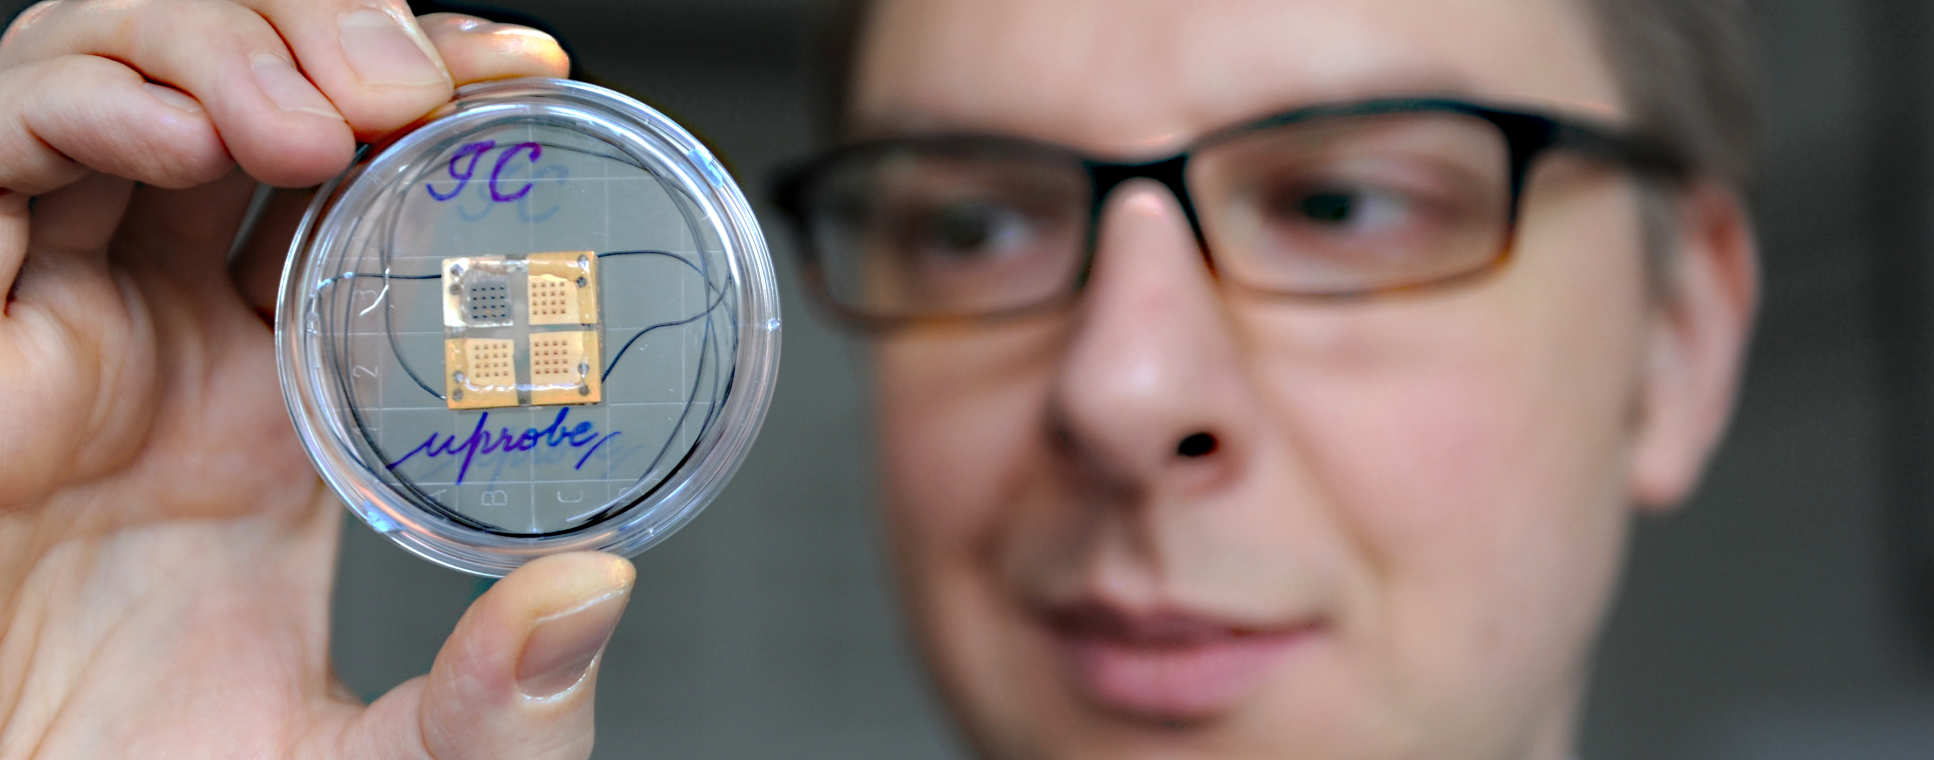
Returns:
point(475, 151)
point(482, 441)
point(536, 152)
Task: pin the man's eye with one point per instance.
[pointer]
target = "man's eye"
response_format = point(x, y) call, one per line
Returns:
point(962, 231)
point(1344, 210)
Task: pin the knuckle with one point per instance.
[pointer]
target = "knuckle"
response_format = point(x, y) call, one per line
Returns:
point(26, 23)
point(92, 68)
point(203, 166)
point(182, 158)
point(83, 73)
point(34, 14)
point(75, 73)
point(201, 19)
point(139, 31)
point(90, 116)
point(168, 33)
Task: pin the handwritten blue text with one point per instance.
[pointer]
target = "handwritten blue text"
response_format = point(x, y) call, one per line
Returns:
point(483, 441)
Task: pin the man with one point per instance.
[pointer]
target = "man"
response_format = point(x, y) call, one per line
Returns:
point(1321, 439)
point(1256, 379)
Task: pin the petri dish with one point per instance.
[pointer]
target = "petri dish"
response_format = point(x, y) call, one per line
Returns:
point(544, 319)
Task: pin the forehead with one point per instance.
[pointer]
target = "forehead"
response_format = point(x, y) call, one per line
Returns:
point(1133, 76)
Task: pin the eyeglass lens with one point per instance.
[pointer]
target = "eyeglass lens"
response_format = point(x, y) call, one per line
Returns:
point(1325, 206)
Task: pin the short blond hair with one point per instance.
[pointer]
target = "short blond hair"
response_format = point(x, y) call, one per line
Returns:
point(1684, 67)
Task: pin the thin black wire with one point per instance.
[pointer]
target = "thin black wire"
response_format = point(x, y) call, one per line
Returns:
point(704, 314)
point(388, 330)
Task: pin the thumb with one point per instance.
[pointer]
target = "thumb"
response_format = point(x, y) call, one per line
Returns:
point(516, 678)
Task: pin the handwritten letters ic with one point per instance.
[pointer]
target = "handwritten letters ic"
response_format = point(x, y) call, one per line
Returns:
point(496, 188)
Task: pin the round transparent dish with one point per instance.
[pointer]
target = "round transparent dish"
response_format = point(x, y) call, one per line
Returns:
point(542, 320)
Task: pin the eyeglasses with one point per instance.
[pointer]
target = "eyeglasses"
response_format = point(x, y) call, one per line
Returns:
point(1332, 201)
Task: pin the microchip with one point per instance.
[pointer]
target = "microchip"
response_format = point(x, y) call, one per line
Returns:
point(503, 345)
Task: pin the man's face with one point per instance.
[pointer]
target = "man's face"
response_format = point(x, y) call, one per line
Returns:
point(1410, 511)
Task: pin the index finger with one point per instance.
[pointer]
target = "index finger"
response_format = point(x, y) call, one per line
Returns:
point(369, 57)
point(226, 57)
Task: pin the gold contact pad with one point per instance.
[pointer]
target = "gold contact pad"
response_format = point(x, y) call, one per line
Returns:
point(565, 368)
point(482, 373)
point(563, 288)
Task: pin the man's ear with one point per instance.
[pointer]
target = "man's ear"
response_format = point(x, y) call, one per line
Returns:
point(1696, 342)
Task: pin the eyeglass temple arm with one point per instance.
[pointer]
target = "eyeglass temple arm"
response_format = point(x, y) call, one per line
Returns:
point(1639, 152)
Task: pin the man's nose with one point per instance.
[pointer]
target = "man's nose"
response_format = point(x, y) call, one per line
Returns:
point(1150, 395)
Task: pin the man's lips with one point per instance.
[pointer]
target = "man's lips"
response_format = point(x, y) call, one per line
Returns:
point(1168, 665)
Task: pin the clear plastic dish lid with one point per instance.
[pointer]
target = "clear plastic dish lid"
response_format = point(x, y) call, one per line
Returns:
point(544, 320)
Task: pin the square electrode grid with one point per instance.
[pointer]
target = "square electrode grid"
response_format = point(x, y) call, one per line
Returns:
point(483, 372)
point(564, 368)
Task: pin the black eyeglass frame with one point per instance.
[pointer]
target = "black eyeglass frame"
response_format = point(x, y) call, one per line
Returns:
point(1528, 135)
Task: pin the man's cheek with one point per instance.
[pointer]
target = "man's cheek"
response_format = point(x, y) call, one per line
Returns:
point(1477, 479)
point(953, 460)
point(1412, 454)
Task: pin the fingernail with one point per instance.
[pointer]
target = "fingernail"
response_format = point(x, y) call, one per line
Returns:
point(384, 51)
point(466, 23)
point(172, 98)
point(520, 32)
point(562, 647)
point(287, 87)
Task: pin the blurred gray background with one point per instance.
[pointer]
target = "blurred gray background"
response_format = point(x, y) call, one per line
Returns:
point(1787, 614)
